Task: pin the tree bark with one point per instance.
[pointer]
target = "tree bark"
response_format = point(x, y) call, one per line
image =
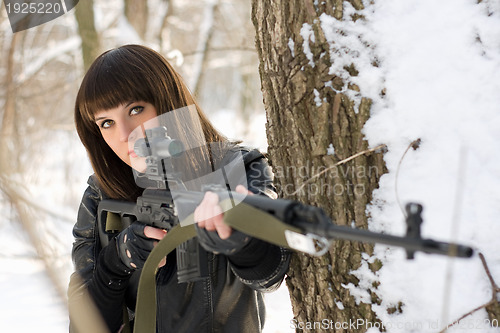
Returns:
point(307, 112)
point(136, 12)
point(84, 14)
point(8, 134)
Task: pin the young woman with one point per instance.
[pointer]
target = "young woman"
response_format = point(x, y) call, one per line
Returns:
point(124, 89)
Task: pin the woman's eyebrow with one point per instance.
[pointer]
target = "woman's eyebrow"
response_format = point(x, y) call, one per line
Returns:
point(99, 118)
point(124, 107)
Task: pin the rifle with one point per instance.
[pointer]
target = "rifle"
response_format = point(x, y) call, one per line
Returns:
point(303, 228)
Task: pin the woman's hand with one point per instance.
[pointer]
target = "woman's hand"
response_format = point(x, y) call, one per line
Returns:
point(209, 214)
point(136, 242)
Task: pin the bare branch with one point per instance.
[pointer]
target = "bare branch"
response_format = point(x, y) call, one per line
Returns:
point(494, 289)
point(364, 152)
point(414, 144)
point(206, 33)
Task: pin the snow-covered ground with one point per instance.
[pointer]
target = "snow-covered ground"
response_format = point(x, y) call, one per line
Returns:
point(439, 63)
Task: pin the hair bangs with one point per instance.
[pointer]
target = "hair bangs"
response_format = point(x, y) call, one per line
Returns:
point(109, 83)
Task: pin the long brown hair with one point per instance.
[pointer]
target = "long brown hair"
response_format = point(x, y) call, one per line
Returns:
point(128, 73)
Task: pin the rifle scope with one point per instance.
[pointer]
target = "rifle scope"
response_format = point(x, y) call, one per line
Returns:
point(158, 143)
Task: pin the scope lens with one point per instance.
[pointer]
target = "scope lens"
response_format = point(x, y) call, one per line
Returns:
point(141, 148)
point(175, 148)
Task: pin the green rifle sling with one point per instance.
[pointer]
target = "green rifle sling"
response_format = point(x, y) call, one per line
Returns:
point(242, 217)
point(145, 309)
point(113, 222)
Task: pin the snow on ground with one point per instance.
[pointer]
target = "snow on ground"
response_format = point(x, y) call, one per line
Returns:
point(29, 301)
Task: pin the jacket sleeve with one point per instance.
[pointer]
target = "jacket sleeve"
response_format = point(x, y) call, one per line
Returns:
point(260, 265)
point(99, 278)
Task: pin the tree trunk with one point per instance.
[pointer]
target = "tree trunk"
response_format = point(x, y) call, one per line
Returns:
point(8, 134)
point(308, 111)
point(84, 14)
point(136, 12)
point(205, 36)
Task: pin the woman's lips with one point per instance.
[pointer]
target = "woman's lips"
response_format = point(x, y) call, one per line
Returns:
point(132, 153)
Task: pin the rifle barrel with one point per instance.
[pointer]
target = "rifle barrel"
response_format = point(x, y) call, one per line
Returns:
point(332, 231)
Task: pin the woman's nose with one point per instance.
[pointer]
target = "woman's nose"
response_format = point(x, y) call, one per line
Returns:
point(133, 133)
point(126, 131)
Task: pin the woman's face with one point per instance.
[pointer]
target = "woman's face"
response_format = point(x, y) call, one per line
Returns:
point(122, 126)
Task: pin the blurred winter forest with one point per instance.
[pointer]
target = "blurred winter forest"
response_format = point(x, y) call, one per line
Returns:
point(43, 167)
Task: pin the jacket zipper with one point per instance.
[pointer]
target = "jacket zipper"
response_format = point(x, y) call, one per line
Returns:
point(210, 294)
point(158, 304)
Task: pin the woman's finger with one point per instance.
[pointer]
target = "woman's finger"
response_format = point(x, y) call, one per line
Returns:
point(243, 190)
point(209, 215)
point(223, 230)
point(154, 233)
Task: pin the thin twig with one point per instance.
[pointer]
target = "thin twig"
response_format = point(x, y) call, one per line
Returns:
point(381, 146)
point(414, 144)
point(466, 315)
point(488, 273)
point(493, 300)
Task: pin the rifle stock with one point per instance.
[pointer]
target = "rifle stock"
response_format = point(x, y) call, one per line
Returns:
point(155, 208)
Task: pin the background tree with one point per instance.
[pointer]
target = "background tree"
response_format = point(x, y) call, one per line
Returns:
point(84, 14)
point(313, 123)
point(136, 12)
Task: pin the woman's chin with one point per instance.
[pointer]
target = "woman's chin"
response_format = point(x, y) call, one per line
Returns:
point(138, 164)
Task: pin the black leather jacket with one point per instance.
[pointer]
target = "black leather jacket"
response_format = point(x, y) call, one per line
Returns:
point(230, 300)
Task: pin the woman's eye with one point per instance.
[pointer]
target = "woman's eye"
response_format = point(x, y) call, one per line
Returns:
point(136, 110)
point(106, 124)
